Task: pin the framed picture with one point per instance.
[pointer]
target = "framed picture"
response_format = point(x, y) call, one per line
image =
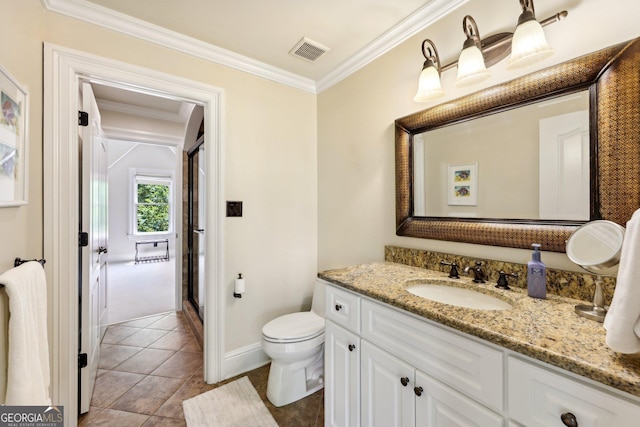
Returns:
point(462, 185)
point(13, 141)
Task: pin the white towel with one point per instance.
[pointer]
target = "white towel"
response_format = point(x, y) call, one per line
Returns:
point(28, 359)
point(623, 318)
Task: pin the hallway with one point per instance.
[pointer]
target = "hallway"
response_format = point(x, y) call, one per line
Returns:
point(149, 366)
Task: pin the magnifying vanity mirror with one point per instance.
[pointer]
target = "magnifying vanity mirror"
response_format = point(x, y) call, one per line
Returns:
point(596, 247)
point(448, 157)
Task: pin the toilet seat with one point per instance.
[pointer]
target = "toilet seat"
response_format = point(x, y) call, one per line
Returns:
point(294, 327)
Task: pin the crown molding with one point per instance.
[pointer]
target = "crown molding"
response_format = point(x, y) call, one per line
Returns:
point(119, 22)
point(412, 25)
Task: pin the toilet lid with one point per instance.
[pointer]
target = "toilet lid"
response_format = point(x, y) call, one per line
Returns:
point(294, 327)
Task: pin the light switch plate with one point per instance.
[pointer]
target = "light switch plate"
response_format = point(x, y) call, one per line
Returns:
point(234, 208)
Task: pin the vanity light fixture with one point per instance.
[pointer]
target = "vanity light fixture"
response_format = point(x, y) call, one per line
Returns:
point(471, 66)
point(429, 84)
point(527, 44)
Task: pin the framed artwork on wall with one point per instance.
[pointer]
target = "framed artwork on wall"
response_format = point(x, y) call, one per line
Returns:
point(13, 141)
point(462, 185)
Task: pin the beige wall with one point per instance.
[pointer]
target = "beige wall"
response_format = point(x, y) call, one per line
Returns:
point(355, 124)
point(270, 164)
point(21, 227)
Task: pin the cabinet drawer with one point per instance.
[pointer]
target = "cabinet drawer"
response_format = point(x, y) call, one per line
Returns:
point(538, 397)
point(470, 367)
point(343, 308)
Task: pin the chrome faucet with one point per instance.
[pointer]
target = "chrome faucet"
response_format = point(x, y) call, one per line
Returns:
point(479, 276)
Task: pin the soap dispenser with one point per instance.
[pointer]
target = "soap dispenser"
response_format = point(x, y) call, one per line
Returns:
point(536, 275)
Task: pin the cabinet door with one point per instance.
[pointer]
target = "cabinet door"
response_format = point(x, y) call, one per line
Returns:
point(342, 375)
point(387, 389)
point(437, 405)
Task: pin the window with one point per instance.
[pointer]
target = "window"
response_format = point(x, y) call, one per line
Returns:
point(152, 204)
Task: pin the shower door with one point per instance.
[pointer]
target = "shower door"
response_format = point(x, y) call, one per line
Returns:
point(196, 230)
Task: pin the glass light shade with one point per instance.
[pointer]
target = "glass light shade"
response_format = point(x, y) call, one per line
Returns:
point(471, 68)
point(529, 45)
point(429, 86)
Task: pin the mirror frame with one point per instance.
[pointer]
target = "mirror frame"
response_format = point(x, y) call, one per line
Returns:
point(613, 80)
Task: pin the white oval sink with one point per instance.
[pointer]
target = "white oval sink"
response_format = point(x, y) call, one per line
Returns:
point(461, 297)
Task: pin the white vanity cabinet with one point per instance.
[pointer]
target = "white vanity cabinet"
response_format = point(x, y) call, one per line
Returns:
point(387, 367)
point(372, 351)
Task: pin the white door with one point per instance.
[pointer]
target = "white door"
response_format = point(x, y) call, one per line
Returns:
point(564, 166)
point(388, 398)
point(93, 260)
point(342, 377)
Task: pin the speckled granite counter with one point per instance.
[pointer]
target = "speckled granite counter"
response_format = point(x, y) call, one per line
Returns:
point(547, 330)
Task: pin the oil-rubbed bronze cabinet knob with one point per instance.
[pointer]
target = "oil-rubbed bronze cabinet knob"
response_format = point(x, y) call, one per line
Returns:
point(338, 307)
point(418, 391)
point(352, 347)
point(569, 419)
point(404, 381)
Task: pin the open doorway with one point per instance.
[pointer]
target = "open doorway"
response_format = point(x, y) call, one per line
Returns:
point(145, 134)
point(130, 211)
point(64, 68)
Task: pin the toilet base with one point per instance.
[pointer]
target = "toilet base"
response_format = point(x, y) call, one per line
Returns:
point(289, 382)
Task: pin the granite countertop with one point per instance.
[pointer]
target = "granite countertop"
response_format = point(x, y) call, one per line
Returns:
point(547, 330)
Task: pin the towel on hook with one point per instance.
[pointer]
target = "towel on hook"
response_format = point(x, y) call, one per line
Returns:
point(28, 374)
point(623, 318)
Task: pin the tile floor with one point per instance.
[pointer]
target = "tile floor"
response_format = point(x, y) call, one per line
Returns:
point(149, 366)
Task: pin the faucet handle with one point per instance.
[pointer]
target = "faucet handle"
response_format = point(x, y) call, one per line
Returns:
point(502, 280)
point(453, 273)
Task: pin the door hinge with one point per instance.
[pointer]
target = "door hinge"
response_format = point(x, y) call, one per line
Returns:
point(82, 360)
point(83, 239)
point(83, 118)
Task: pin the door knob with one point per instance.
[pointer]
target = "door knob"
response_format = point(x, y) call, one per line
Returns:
point(352, 347)
point(102, 250)
point(404, 381)
point(418, 391)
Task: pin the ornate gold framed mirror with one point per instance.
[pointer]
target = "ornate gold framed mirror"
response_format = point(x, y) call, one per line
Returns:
point(612, 78)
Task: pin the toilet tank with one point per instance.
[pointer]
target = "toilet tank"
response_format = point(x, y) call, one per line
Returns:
point(317, 304)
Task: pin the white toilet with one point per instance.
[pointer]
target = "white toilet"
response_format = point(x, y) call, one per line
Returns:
point(295, 344)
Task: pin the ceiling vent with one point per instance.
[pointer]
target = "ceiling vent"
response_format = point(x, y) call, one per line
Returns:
point(308, 50)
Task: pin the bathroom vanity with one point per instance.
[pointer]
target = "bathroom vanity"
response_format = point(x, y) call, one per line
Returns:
point(397, 359)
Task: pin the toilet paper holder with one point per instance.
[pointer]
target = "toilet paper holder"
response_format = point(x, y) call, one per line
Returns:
point(238, 288)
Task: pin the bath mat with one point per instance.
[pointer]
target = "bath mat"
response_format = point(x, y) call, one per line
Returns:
point(235, 404)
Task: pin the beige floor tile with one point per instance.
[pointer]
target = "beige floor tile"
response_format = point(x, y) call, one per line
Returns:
point(144, 337)
point(145, 361)
point(111, 385)
point(115, 334)
point(164, 422)
point(183, 364)
point(174, 340)
point(114, 354)
point(113, 418)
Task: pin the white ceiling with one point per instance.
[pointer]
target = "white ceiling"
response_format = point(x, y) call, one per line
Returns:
point(257, 35)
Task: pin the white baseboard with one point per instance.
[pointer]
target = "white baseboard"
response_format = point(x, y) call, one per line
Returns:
point(244, 359)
